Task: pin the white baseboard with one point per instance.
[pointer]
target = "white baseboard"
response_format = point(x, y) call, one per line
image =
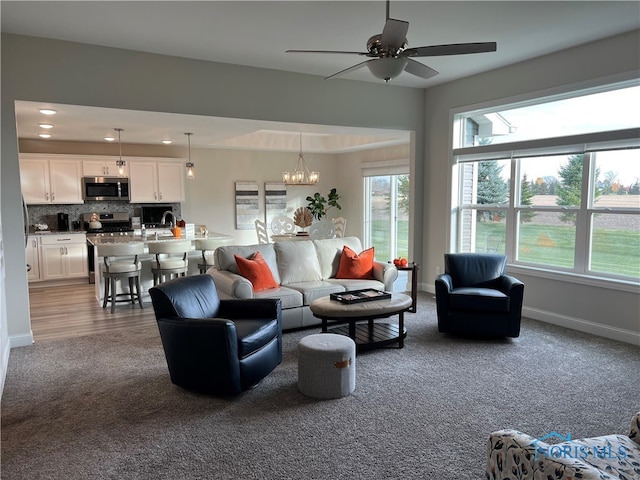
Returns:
point(5, 364)
point(11, 342)
point(21, 340)
point(607, 331)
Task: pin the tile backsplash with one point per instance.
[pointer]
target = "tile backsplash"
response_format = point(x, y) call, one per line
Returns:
point(49, 213)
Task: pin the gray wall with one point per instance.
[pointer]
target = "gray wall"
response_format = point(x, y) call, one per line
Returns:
point(573, 303)
point(90, 75)
point(36, 69)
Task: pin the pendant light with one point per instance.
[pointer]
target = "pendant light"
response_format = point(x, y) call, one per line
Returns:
point(190, 165)
point(121, 164)
point(301, 175)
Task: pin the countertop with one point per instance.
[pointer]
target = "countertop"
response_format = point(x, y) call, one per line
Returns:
point(102, 240)
point(55, 232)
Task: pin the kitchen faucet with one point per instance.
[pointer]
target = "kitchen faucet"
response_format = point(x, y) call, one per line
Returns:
point(164, 217)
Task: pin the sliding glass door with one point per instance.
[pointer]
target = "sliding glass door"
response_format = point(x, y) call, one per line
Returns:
point(387, 215)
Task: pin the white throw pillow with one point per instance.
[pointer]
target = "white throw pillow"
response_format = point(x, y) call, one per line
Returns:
point(329, 252)
point(297, 262)
point(225, 260)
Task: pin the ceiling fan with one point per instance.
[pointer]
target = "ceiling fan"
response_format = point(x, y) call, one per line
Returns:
point(390, 56)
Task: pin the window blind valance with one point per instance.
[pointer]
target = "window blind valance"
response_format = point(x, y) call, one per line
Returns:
point(386, 167)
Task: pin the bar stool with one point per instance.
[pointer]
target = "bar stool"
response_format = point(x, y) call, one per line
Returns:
point(208, 245)
point(118, 268)
point(168, 260)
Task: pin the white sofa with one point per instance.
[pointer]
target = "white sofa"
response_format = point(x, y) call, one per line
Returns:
point(304, 270)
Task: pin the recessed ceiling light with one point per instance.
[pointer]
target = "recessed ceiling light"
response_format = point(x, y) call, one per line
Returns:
point(166, 141)
point(44, 135)
point(45, 125)
point(47, 111)
point(109, 138)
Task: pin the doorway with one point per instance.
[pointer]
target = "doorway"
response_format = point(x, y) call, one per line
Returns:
point(386, 199)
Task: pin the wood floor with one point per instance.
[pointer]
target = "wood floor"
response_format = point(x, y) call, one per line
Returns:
point(72, 310)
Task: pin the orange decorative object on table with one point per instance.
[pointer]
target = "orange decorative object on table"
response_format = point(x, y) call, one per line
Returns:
point(177, 232)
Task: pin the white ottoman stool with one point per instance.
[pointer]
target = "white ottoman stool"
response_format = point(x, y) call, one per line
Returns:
point(326, 365)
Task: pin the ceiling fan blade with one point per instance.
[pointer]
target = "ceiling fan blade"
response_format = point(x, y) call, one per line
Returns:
point(419, 70)
point(327, 51)
point(350, 69)
point(394, 33)
point(451, 49)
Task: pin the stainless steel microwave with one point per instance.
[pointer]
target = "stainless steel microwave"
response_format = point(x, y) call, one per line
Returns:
point(105, 188)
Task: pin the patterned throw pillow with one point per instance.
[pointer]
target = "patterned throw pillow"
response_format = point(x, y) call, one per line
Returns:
point(257, 271)
point(356, 265)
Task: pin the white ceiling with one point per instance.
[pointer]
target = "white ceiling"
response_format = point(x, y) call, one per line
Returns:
point(91, 124)
point(258, 33)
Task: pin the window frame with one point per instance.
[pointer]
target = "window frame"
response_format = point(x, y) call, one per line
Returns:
point(381, 169)
point(586, 144)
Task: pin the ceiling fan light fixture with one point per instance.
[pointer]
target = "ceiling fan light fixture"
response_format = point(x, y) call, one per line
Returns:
point(301, 175)
point(387, 68)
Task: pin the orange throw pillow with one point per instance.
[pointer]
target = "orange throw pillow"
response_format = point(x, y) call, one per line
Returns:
point(257, 271)
point(354, 265)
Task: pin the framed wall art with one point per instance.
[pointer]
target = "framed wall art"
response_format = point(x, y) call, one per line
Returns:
point(275, 200)
point(247, 205)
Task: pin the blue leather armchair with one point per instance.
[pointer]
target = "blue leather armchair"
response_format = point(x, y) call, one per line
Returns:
point(475, 296)
point(216, 346)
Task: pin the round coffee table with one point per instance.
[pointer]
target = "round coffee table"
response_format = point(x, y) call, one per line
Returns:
point(370, 334)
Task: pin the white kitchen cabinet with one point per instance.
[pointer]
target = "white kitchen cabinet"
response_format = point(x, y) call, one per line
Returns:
point(64, 256)
point(143, 182)
point(156, 182)
point(103, 168)
point(32, 251)
point(49, 181)
point(171, 182)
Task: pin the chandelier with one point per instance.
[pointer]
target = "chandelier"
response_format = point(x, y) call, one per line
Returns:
point(301, 175)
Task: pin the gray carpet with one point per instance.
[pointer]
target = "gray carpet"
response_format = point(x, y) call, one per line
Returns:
point(102, 407)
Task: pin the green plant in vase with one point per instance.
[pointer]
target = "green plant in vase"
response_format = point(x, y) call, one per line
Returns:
point(318, 205)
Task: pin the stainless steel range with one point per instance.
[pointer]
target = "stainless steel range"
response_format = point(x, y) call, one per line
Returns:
point(110, 224)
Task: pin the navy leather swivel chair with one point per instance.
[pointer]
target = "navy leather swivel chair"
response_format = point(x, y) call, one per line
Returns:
point(475, 296)
point(216, 346)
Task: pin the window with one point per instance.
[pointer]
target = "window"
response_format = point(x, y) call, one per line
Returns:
point(549, 198)
point(613, 220)
point(563, 203)
point(387, 215)
point(594, 112)
point(485, 196)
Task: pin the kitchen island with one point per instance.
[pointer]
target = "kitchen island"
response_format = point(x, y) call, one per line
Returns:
point(146, 277)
